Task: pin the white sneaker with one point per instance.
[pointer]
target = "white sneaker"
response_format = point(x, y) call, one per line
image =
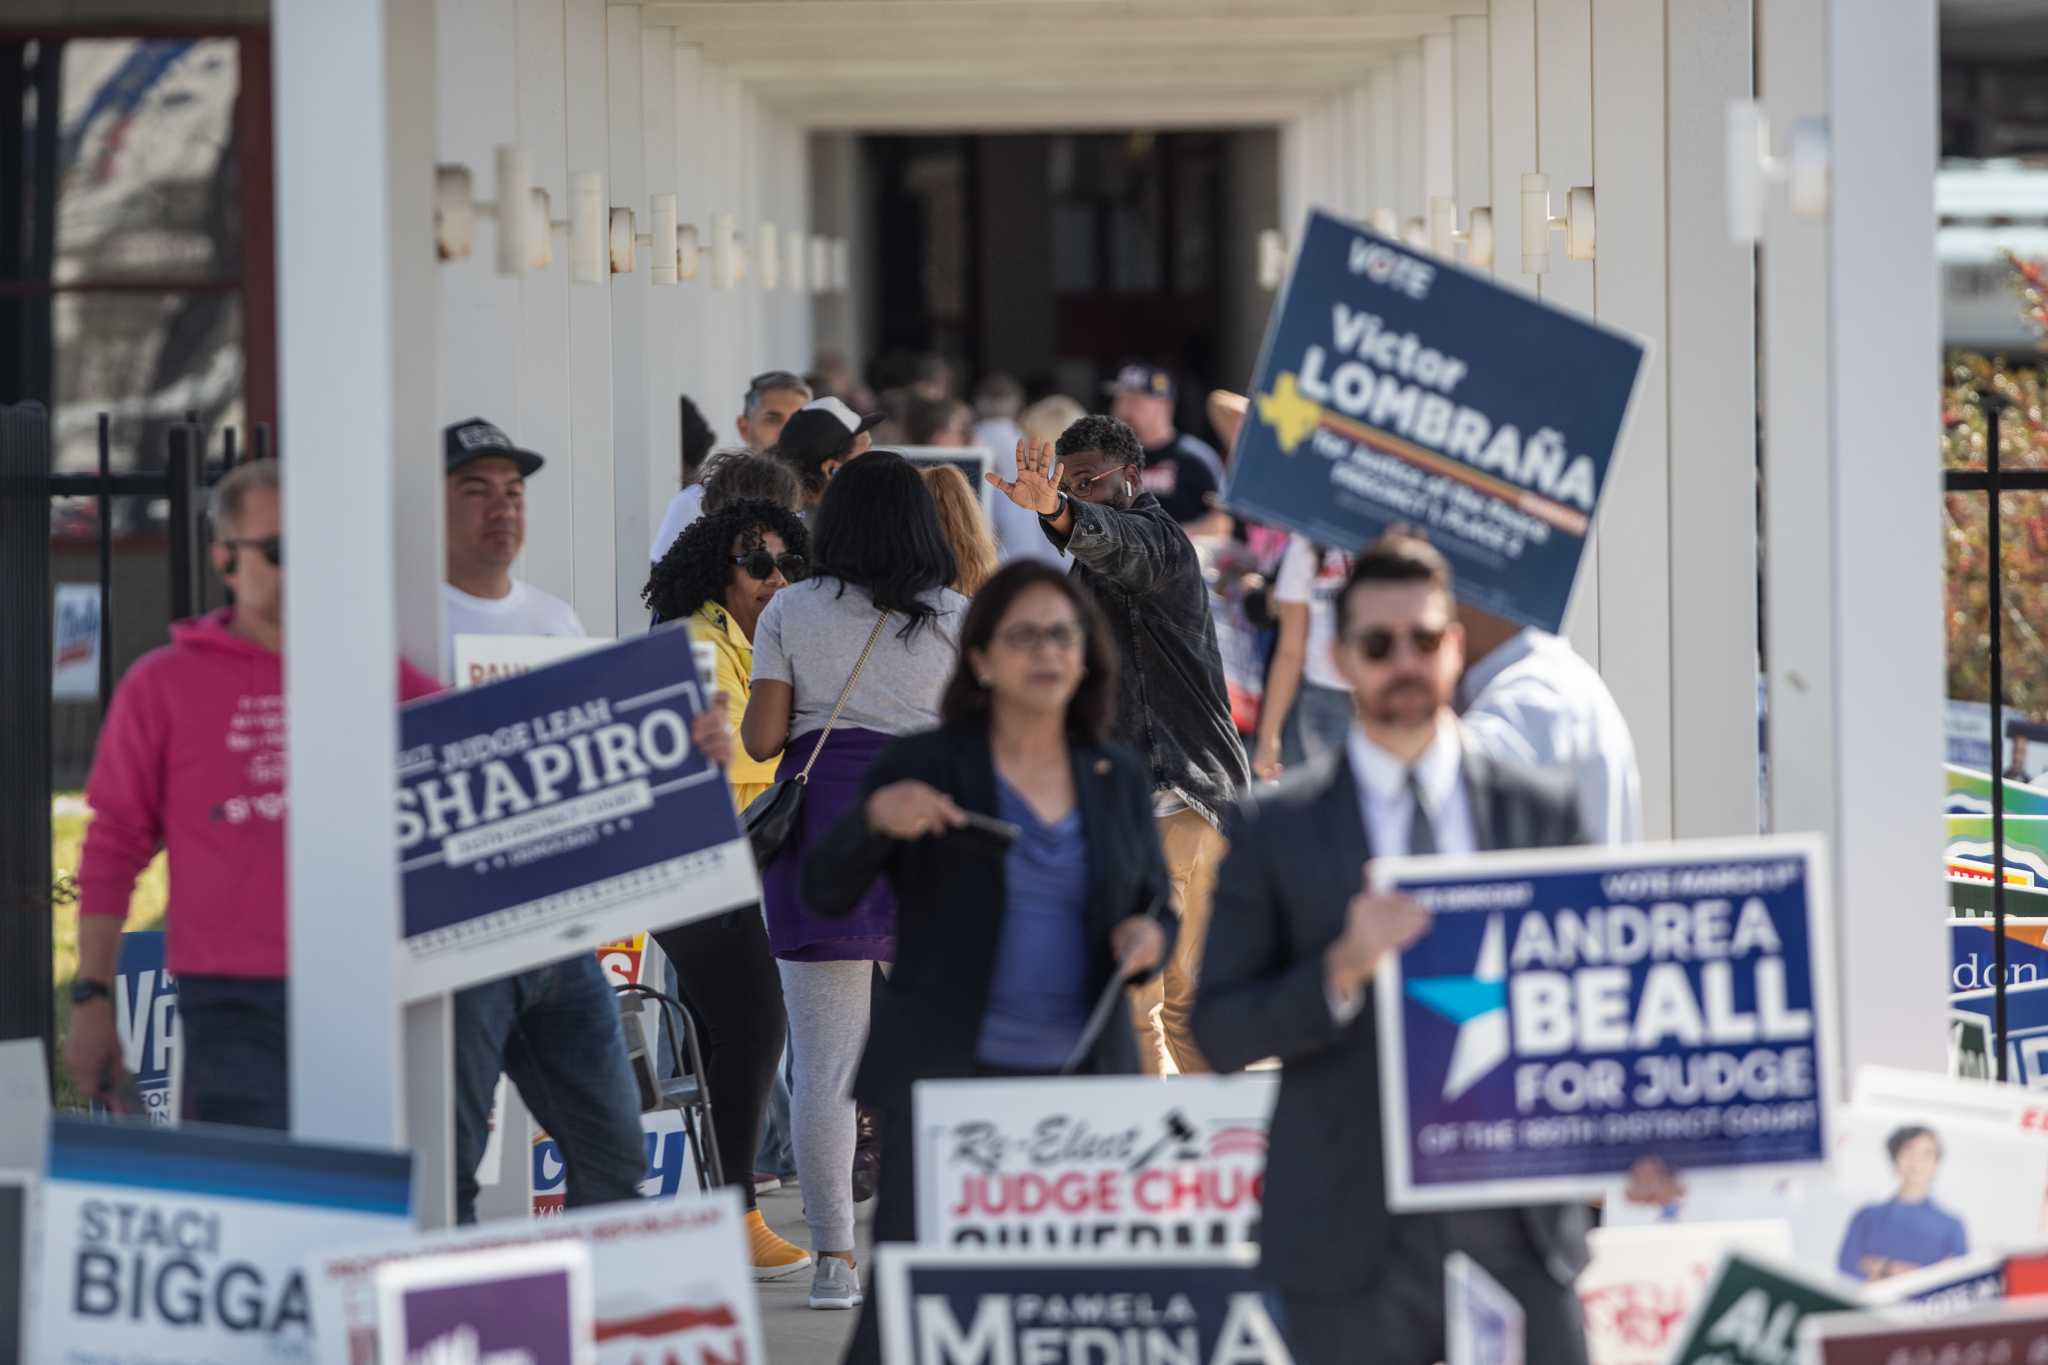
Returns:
point(835, 1284)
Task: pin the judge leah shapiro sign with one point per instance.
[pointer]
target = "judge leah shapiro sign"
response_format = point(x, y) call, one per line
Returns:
point(1572, 1010)
point(554, 810)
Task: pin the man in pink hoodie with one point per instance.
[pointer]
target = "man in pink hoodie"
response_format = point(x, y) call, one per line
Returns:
point(192, 759)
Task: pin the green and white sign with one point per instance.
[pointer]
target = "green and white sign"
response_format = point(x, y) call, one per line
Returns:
point(1751, 1311)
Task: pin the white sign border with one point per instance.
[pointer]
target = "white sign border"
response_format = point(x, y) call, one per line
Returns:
point(1402, 1195)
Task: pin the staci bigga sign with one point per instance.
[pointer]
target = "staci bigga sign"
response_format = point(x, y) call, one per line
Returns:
point(1572, 1010)
point(1396, 388)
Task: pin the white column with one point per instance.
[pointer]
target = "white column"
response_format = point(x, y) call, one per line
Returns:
point(631, 321)
point(1383, 100)
point(1883, 101)
point(354, 296)
point(1634, 559)
point(588, 360)
point(1511, 118)
point(1439, 119)
point(664, 375)
point(1711, 349)
point(541, 412)
point(1408, 135)
point(1472, 165)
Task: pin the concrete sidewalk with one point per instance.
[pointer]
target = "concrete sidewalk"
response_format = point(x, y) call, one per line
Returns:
point(794, 1333)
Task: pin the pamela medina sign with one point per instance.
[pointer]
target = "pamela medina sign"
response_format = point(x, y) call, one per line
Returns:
point(557, 809)
point(188, 1246)
point(1572, 1010)
point(985, 1307)
point(1092, 1162)
point(1393, 387)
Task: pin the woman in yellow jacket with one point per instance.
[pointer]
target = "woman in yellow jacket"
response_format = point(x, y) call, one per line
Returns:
point(718, 576)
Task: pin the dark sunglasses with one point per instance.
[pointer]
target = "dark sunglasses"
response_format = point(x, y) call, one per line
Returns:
point(1377, 642)
point(762, 565)
point(271, 547)
point(1025, 639)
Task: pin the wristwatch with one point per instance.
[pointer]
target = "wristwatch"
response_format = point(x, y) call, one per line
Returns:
point(1058, 511)
point(85, 989)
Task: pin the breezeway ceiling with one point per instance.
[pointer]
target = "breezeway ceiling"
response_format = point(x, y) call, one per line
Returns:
point(966, 64)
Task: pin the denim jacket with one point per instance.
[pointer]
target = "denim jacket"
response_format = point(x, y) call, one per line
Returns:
point(1171, 705)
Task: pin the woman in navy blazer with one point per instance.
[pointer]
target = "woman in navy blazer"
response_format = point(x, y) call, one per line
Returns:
point(1003, 945)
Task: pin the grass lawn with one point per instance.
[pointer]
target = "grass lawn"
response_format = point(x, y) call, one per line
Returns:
point(146, 911)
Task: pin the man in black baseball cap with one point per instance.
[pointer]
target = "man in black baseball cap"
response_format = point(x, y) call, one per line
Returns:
point(821, 436)
point(1182, 471)
point(476, 438)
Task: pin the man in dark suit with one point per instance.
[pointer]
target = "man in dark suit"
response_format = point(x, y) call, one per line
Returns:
point(1293, 946)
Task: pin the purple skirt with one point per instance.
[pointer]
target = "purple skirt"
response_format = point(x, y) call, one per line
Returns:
point(795, 934)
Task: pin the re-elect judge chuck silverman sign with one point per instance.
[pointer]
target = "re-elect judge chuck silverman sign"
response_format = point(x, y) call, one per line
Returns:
point(1397, 388)
point(1572, 1010)
point(549, 812)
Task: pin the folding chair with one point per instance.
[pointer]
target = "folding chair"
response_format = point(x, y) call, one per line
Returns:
point(687, 1092)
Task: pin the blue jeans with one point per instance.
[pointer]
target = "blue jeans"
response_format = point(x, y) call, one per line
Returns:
point(555, 1031)
point(237, 1056)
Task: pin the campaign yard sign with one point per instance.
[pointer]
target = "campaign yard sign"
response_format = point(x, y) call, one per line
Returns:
point(481, 659)
point(17, 1264)
point(671, 1281)
point(2026, 1028)
point(557, 809)
point(1483, 1323)
point(955, 1306)
point(146, 1020)
point(1968, 850)
point(1393, 387)
point(524, 1304)
point(1969, 896)
point(1751, 1311)
point(1642, 1282)
point(668, 1163)
point(2013, 1333)
point(1973, 963)
point(1571, 1010)
point(1102, 1162)
point(1969, 793)
point(1945, 1288)
point(188, 1246)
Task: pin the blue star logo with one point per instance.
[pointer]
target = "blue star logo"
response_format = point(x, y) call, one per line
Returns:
point(1478, 1005)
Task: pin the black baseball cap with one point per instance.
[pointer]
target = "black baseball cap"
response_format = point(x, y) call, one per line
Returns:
point(823, 430)
point(1141, 379)
point(476, 438)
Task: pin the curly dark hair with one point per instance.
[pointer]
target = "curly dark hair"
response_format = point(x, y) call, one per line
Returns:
point(698, 567)
point(1092, 708)
point(1117, 442)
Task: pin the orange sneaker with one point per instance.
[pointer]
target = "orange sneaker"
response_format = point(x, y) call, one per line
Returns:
point(773, 1257)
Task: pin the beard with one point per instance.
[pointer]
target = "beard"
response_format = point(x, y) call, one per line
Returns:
point(1403, 703)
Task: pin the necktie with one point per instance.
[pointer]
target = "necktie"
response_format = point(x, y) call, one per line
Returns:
point(1421, 829)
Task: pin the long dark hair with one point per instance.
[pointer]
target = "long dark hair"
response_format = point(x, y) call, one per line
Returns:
point(1092, 708)
point(698, 567)
point(878, 530)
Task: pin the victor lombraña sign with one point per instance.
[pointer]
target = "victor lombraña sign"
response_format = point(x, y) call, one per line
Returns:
point(1393, 387)
point(557, 809)
point(188, 1246)
point(1103, 1162)
point(951, 1306)
point(1571, 1010)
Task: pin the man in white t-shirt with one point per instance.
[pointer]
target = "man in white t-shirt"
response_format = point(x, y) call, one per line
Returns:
point(487, 477)
point(1307, 708)
point(553, 1029)
point(1529, 697)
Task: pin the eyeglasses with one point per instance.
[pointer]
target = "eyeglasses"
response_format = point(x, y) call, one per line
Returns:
point(1025, 639)
point(271, 547)
point(1377, 642)
point(1080, 486)
point(762, 565)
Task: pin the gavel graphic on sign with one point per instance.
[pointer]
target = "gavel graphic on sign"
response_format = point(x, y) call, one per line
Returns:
point(1178, 1129)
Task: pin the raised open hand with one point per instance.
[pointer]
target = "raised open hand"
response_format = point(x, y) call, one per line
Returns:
point(1037, 485)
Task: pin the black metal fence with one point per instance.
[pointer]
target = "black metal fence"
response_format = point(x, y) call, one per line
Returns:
point(31, 489)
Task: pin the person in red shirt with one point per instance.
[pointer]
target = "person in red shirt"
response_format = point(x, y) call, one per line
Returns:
point(192, 760)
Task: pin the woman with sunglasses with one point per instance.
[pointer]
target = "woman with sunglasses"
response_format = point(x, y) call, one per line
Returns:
point(1027, 871)
point(719, 576)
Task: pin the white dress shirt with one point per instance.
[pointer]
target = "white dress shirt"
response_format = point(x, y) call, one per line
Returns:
point(1389, 809)
point(1534, 701)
